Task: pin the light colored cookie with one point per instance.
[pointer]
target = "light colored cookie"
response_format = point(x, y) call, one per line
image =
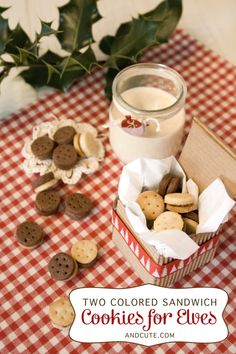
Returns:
point(61, 312)
point(84, 252)
point(151, 203)
point(190, 226)
point(76, 143)
point(89, 144)
point(168, 221)
point(179, 199)
point(182, 208)
point(46, 185)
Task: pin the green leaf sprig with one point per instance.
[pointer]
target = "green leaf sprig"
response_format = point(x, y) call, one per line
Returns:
point(75, 35)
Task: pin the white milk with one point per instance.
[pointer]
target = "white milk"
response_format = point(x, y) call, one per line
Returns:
point(153, 144)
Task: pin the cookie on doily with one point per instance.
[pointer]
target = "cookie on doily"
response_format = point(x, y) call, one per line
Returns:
point(59, 132)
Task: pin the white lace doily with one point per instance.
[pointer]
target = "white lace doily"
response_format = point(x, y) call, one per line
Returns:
point(85, 165)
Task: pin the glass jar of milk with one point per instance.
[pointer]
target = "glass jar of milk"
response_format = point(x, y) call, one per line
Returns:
point(147, 116)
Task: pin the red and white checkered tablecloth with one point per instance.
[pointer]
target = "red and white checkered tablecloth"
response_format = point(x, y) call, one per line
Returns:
point(26, 287)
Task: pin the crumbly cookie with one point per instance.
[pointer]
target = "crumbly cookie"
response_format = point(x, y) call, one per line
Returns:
point(65, 156)
point(164, 184)
point(47, 202)
point(173, 185)
point(64, 135)
point(182, 209)
point(62, 266)
point(44, 182)
point(84, 252)
point(42, 147)
point(61, 312)
point(179, 199)
point(29, 234)
point(151, 203)
point(77, 205)
point(168, 221)
point(190, 226)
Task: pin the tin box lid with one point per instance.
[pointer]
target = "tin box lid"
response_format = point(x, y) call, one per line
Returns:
point(205, 157)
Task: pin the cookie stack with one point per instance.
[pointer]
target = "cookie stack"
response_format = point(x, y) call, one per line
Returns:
point(168, 208)
point(65, 266)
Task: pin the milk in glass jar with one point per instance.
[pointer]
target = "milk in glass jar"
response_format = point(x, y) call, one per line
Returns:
point(147, 116)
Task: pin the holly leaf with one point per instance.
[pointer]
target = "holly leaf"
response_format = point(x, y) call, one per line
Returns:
point(70, 76)
point(107, 41)
point(63, 74)
point(26, 57)
point(37, 75)
point(106, 44)
point(167, 15)
point(110, 75)
point(46, 30)
point(82, 60)
point(141, 35)
point(76, 24)
point(51, 70)
point(3, 34)
point(17, 38)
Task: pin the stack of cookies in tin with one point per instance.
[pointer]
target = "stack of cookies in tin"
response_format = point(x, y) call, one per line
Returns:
point(168, 208)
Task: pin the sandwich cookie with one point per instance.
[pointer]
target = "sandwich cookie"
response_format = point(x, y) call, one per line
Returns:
point(62, 267)
point(169, 184)
point(77, 206)
point(44, 182)
point(173, 185)
point(190, 226)
point(47, 202)
point(151, 203)
point(61, 313)
point(181, 209)
point(64, 135)
point(164, 184)
point(76, 143)
point(42, 147)
point(87, 145)
point(193, 215)
point(29, 234)
point(85, 253)
point(65, 157)
point(180, 202)
point(179, 199)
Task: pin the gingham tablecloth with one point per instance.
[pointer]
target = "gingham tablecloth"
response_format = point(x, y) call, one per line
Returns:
point(26, 287)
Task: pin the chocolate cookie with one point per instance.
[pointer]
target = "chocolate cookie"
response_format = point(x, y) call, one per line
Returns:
point(44, 182)
point(64, 135)
point(42, 147)
point(77, 206)
point(164, 184)
point(173, 185)
point(47, 202)
point(192, 215)
point(29, 234)
point(64, 156)
point(62, 267)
